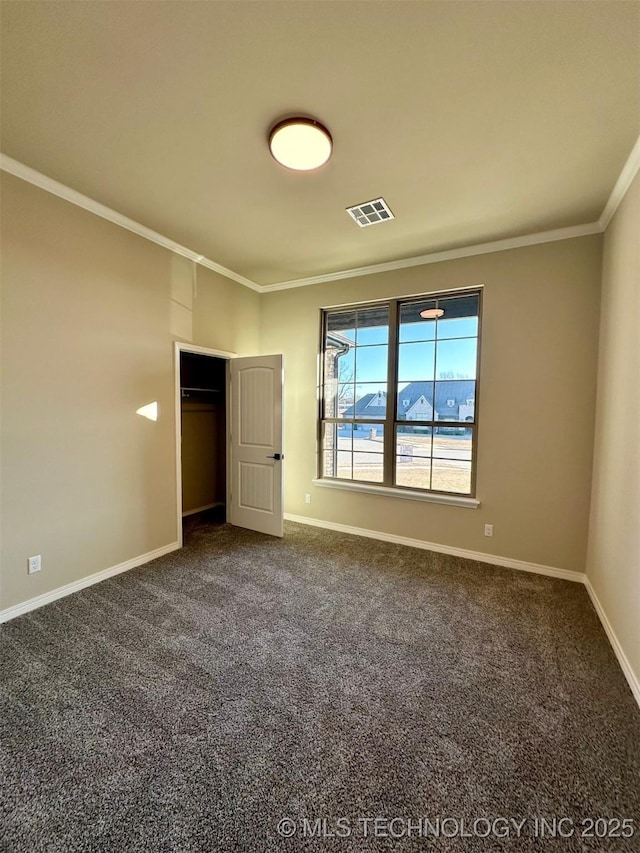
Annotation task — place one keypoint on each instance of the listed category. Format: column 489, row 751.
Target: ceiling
column 476, row 121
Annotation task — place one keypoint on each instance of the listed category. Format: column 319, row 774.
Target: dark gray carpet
column 191, row 704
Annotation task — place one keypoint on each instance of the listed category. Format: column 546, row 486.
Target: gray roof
column 458, row 390
column 362, row 408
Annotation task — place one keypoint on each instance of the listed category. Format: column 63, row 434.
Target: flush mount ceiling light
column 300, row 143
column 432, row 313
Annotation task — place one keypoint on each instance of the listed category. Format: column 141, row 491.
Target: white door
column 256, row 443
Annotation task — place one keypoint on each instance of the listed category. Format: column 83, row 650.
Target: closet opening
column 203, row 444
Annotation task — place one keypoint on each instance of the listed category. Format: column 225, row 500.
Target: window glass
column 341, row 326
column 414, row 327
column 416, row 362
column 371, row 400
column 456, row 359
column 433, row 350
column 372, row 363
column 459, row 318
column 372, row 326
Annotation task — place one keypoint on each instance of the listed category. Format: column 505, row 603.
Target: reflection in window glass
column 464, row 327
column 429, row 404
column 341, row 327
column 373, row 326
column 459, row 318
column 413, row 327
column 356, row 356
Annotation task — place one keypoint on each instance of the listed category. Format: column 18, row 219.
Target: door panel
column 256, row 398
column 256, row 486
column 256, row 439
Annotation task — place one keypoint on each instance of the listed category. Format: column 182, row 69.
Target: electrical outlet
column 488, row 530
column 307, row 499
column 34, row 564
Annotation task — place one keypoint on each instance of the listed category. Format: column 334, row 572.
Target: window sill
column 404, row 494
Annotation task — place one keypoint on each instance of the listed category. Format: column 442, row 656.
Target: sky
column 427, row 350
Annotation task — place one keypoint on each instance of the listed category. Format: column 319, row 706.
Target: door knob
column 276, row 456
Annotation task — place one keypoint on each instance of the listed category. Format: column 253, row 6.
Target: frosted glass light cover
column 300, row 144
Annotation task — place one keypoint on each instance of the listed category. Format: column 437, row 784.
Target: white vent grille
column 370, row 212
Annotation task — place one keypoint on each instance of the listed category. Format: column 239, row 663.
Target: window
column 390, row 378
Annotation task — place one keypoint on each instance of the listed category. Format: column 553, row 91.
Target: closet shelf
column 186, row 391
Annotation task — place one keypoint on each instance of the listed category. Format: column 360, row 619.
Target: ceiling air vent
column 370, row 212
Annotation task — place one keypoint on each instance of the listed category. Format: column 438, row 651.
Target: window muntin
column 398, row 396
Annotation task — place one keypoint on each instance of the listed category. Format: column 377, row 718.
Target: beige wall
column 536, row 412
column 613, row 564
column 226, row 314
column 204, row 454
column 89, row 313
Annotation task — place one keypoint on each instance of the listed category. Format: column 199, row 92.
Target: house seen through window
column 398, row 402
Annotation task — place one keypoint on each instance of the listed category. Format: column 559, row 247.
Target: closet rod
column 187, row 392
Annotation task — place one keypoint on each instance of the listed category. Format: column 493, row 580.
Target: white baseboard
column 521, row 565
column 625, row 666
column 506, row 562
column 62, row 591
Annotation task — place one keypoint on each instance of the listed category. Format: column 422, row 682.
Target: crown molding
column 227, row 273
column 628, row 173
column 448, row 255
column 26, row 173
